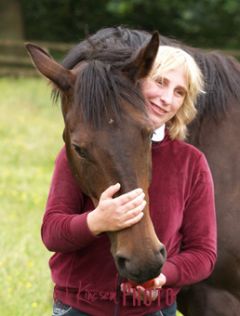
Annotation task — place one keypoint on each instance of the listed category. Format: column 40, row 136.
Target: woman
column 181, row 204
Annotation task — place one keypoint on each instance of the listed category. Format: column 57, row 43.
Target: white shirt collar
column 159, row 134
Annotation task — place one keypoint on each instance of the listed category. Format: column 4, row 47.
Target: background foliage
column 206, row 23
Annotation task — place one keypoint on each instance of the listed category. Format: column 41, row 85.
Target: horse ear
column 48, row 67
column 142, row 63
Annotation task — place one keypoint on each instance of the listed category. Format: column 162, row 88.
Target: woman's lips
column 156, row 109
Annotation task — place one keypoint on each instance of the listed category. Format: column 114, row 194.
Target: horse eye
column 82, row 152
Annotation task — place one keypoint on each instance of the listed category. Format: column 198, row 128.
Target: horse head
column 108, row 139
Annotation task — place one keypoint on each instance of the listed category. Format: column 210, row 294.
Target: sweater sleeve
column 64, row 226
column 197, row 255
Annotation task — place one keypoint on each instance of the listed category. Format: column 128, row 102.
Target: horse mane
column 117, row 38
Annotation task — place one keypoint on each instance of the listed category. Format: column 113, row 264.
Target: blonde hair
column 169, row 58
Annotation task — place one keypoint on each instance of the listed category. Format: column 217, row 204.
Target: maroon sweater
column 183, row 214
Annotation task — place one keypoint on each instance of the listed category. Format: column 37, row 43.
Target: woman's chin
column 156, row 121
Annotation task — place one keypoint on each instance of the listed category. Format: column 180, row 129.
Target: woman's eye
column 82, row 152
column 159, row 82
column 181, row 93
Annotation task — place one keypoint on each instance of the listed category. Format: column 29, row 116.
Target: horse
column 215, row 132
column 107, row 135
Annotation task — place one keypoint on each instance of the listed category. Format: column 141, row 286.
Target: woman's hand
column 149, row 293
column 113, row 214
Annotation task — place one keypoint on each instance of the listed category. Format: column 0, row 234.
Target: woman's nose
column 167, row 96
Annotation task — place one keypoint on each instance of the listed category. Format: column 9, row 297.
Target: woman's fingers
column 135, row 211
column 134, row 203
column 129, row 222
column 129, row 196
column 122, row 199
column 110, row 191
column 151, row 294
column 140, row 292
column 120, row 212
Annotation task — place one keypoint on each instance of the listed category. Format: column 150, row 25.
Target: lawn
column 30, row 138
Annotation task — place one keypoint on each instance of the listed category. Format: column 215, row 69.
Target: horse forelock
column 100, row 93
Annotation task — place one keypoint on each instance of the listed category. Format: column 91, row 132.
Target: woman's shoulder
column 187, row 148
column 190, row 152
column 61, row 162
column 193, row 156
column 61, row 156
column 179, row 147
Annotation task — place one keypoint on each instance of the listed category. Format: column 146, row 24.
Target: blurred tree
column 64, row 20
column 202, row 23
column 11, row 23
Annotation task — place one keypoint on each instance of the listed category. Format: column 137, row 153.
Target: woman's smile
column 156, row 109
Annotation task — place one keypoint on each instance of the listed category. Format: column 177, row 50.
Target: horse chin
column 132, row 271
column 135, row 266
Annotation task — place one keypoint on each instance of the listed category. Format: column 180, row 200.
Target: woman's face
column 165, row 96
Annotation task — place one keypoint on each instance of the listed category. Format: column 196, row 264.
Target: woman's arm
column 197, row 257
column 64, row 226
column 71, row 221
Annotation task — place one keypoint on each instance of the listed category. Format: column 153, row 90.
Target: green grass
column 30, row 138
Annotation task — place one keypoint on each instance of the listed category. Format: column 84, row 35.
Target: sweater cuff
column 80, row 230
column 171, row 272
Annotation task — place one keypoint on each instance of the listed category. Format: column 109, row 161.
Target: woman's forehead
column 178, row 75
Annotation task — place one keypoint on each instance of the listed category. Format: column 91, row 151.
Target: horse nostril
column 121, row 262
column 163, row 252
